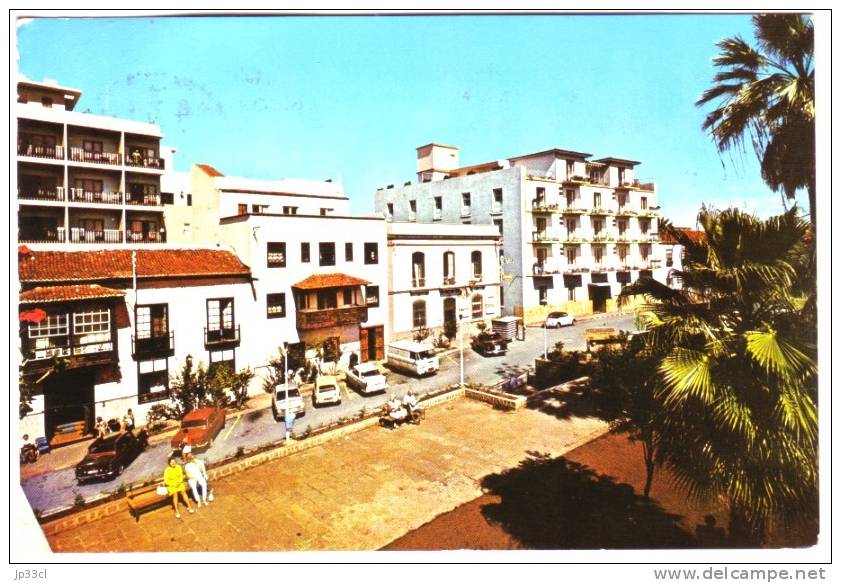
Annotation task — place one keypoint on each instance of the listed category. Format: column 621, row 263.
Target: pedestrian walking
column 175, row 486
column 197, row 478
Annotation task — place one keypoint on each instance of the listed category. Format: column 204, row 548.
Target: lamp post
column 286, row 390
column 545, row 340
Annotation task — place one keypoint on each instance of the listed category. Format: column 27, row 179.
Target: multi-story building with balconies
column 83, row 178
column 574, row 230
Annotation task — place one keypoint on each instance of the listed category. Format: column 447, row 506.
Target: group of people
column 102, row 427
column 177, row 478
column 398, row 411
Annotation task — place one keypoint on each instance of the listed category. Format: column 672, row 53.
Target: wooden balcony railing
column 153, row 346
column 331, row 318
column 222, row 337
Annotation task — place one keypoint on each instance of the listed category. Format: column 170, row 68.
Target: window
column 326, row 254
column 220, row 314
column 598, row 225
column 449, row 268
column 570, row 197
column 439, row 203
column 571, row 294
column 571, row 254
column 389, row 213
column 326, row 299
column 643, row 202
column 92, row 322
column 88, row 185
column 598, row 254
column 570, row 168
column 498, row 223
column 645, row 225
column 347, row 297
column 622, row 198
column 419, row 313
column 597, row 200
column 305, row 252
column 325, row 211
column 498, row 197
column 56, row 325
column 476, row 306
column 151, row 321
column 541, row 194
column 645, row 251
column 348, row 251
column 92, row 146
column 622, row 226
column 46, row 101
column 152, row 380
column 570, row 226
column 465, row 204
column 276, row 254
column 418, row 270
column 372, row 296
column 276, row 305
column 290, row 210
column 259, row 209
column 669, row 258
column 413, row 210
column 622, row 251
column 220, row 358
column 476, row 262
column 372, row 254
column 242, row 209
column 543, row 295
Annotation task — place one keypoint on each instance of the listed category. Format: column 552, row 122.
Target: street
column 58, row 489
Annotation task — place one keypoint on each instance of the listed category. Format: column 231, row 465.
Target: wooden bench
column 142, row 498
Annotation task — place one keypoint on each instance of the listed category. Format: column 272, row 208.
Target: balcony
column 160, row 346
column 79, row 351
column 85, row 196
column 143, row 199
column 40, row 151
column 648, row 213
column 604, row 237
column 221, row 337
column 80, row 235
column 109, row 158
column 545, row 236
column 57, row 235
column 331, row 317
column 137, row 161
column 55, row 193
column 539, row 205
column 601, row 211
column 572, row 210
column 625, row 212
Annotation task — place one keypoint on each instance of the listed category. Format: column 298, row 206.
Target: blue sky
column 351, row 98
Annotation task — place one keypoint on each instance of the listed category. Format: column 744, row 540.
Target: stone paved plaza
column 356, row 493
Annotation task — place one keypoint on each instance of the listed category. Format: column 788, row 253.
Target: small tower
column 435, row 161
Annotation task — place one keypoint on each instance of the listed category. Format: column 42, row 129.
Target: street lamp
column 286, row 390
column 545, row 340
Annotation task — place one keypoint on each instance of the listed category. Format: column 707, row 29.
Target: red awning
column 328, row 280
column 34, row 316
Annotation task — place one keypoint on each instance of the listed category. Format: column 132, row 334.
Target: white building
column 125, row 321
column 574, row 231
column 83, row 178
column 437, row 271
column 320, row 275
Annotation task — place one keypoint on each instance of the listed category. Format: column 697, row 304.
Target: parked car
column 280, row 400
column 326, row 391
column 413, row 357
column 367, row 378
column 199, row 427
column 558, row 319
column 108, row 456
column 490, row 344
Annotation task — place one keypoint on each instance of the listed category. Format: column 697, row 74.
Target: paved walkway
column 358, row 493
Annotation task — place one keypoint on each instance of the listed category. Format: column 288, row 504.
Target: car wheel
column 119, row 469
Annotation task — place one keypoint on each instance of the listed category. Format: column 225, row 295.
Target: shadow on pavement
column 559, row 504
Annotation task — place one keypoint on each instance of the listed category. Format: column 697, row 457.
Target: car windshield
column 326, row 388
column 194, row 423
column 426, row 354
column 369, row 373
column 103, row 445
column 557, row 314
column 281, row 394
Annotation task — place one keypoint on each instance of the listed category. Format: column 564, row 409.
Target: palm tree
column 767, row 95
column 739, row 374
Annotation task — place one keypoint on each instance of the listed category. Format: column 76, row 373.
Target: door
column 68, row 398
column 450, row 324
column 372, row 343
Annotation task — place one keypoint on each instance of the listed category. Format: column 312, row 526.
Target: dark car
column 108, row 456
column 490, row 344
column 199, row 428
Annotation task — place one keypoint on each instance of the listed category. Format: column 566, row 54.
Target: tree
column 624, row 383
column 198, row 387
column 739, row 373
column 767, row 95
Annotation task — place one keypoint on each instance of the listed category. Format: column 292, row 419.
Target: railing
column 56, row 236
column 449, row 280
column 418, row 282
column 496, row 208
column 161, row 345
column 412, row 216
column 547, row 236
column 221, row 336
column 143, row 199
column 573, row 210
column 148, row 237
column 81, row 195
column 56, row 193
column 80, row 155
column 81, row 235
column 145, row 162
column 436, row 215
column 465, row 211
column 624, row 211
column 541, row 206
column 65, row 347
column 604, row 237
column 331, row 318
column 601, row 211
column 40, row 151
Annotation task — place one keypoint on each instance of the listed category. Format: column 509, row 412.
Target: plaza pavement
column 356, row 493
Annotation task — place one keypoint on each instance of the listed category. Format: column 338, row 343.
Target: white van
column 413, row 357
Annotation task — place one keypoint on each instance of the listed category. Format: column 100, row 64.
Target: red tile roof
column 60, row 266
column 326, row 280
column 67, row 293
column 209, row 170
column 694, row 236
